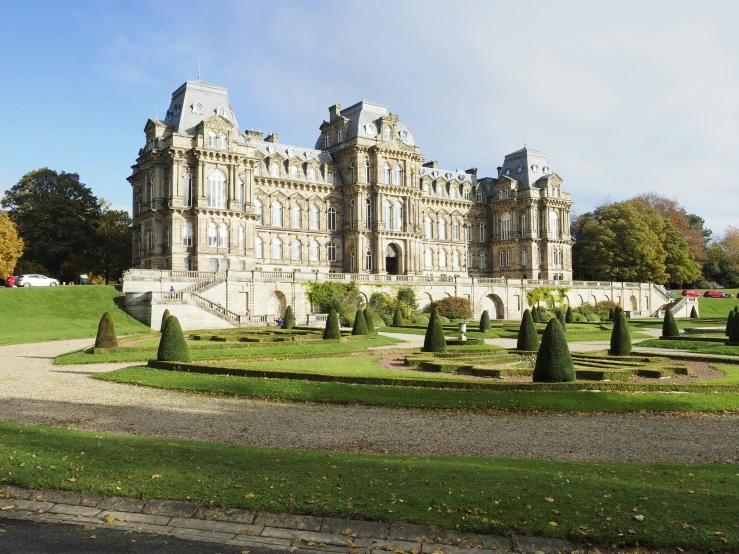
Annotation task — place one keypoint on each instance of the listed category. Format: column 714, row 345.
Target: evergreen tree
column 360, row 324
column 289, row 321
column 569, row 317
column 734, row 332
column 528, row 338
column 485, row 321
column 535, row 314
column 554, row 362
column 106, row 337
column 729, row 322
column 561, row 318
column 165, row 317
column 611, row 314
column 669, row 327
column 332, row 330
column 369, row 321
column 398, row 317
column 620, row 338
column 693, row 313
column 434, row 340
column 172, row 345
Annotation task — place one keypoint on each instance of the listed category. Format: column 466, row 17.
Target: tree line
column 55, row 225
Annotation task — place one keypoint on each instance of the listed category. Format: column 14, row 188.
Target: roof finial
column 524, row 137
column 198, row 65
column 456, row 163
column 157, row 109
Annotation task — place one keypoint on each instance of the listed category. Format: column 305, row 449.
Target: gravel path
column 33, row 390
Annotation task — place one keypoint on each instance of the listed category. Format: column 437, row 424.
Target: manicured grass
column 731, row 374
column 700, row 347
column 307, row 350
column 293, row 390
column 683, row 505
column 718, row 307
column 56, row 313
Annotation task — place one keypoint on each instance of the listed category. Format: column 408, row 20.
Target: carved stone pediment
column 218, row 122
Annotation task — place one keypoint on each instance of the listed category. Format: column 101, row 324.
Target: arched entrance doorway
column 392, row 259
column 494, row 305
column 276, row 304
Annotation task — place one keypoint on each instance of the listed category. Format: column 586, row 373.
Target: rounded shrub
column 569, row 316
column 332, row 330
column 172, row 345
column 669, row 327
column 165, row 317
column 554, row 361
column 562, row 320
column 620, row 338
column 434, row 340
column 693, row 313
column 485, row 321
column 360, row 324
column 368, row 319
column 106, row 337
column 398, row 317
column 288, row 322
column 421, row 319
column 528, row 338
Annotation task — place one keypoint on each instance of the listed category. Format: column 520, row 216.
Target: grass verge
column 700, row 347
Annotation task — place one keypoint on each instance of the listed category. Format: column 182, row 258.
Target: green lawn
column 718, row 307
column 56, row 313
column 687, row 506
column 699, row 347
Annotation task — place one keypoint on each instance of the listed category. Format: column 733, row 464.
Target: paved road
column 33, row 390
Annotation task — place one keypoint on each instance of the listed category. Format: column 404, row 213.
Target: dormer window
column 177, row 110
column 326, row 141
column 220, row 110
column 311, row 174
column 168, row 117
column 388, row 133
column 212, row 139
column 340, row 135
column 223, row 139
column 293, row 172
column 197, row 108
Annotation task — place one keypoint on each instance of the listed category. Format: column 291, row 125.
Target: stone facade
column 208, row 197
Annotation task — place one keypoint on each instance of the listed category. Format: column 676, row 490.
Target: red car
column 713, row 294
column 691, row 293
column 10, row 281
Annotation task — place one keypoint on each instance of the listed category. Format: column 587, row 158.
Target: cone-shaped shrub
column 734, row 331
column 535, row 314
column 669, row 327
column 569, row 317
column 729, row 322
column 360, row 324
column 620, row 338
column 165, row 317
column 332, row 331
column 693, row 313
column 434, row 340
column 289, row 320
column 561, row 318
column 611, row 314
column 484, row 321
column 106, row 337
column 172, row 345
column 369, row 321
column 398, row 317
column 554, row 362
column 528, row 338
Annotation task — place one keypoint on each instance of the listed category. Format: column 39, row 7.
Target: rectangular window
column 469, row 233
column 224, row 265
column 242, row 265
column 213, row 264
column 188, row 264
column 330, row 178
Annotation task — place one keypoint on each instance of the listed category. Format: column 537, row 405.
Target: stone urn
column 462, row 331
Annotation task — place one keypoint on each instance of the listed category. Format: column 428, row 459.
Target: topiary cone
column 332, row 330
column 288, row 321
column 620, row 338
column 369, row 321
column 734, row 331
column 554, row 362
column 165, row 317
column 611, row 314
column 106, row 337
column 569, row 317
column 535, row 314
column 172, row 345
column 398, row 317
column 360, row 324
column 434, row 340
column 528, row 338
column 669, row 327
column 485, row 321
column 729, row 322
column 693, row 313
column 561, row 319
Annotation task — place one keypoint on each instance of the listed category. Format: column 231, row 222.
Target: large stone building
column 208, row 196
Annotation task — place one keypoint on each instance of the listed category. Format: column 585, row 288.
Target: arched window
column 187, row 233
column 276, row 249
column 398, row 223
column 442, row 258
column 352, row 262
column 275, row 169
column 352, row 173
column 187, row 190
column 212, row 139
column 240, row 193
column 331, row 219
column 428, row 259
column 554, row 223
column 212, row 234
column 223, row 235
column 522, row 225
column 258, row 248
column 311, row 175
column 242, row 237
column 453, row 192
column 330, row 177
column 481, row 231
column 388, row 133
column 455, row 230
column 295, row 216
column 427, row 228
column 505, row 226
column 425, row 189
column 216, row 189
column 326, row 141
column 296, row 250
column 366, row 171
column 524, row 259
column 455, row 258
column 469, row 259
column 340, row 135
column 368, row 213
column 293, row 172
column 313, row 251
column 482, row 260
column 442, row 229
column 313, row 217
column 331, row 252
column 439, row 190
column 276, row 214
column 368, row 260
column 386, row 173
column 478, row 194
column 351, row 214
column 397, row 175
column 223, row 140
column 387, row 214
column 258, row 211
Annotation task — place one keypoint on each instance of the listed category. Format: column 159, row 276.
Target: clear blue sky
column 624, row 97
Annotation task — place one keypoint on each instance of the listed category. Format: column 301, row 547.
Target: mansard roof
column 363, row 123
column 196, row 101
column 525, row 166
column 286, row 151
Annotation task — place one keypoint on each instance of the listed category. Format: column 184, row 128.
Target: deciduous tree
column 11, row 246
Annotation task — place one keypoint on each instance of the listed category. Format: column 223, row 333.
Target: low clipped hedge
column 696, row 339
column 468, row 342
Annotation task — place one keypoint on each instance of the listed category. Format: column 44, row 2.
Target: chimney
column 473, row 171
column 500, row 169
column 272, row 137
column 334, row 112
column 254, row 135
column 432, row 164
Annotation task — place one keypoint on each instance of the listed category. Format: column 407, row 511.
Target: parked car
column 10, row 281
column 713, row 294
column 670, row 292
column 35, row 280
column 726, row 295
column 691, row 293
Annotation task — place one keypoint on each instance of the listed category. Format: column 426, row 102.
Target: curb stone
column 309, row 534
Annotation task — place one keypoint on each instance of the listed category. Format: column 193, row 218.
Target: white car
column 35, row 280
